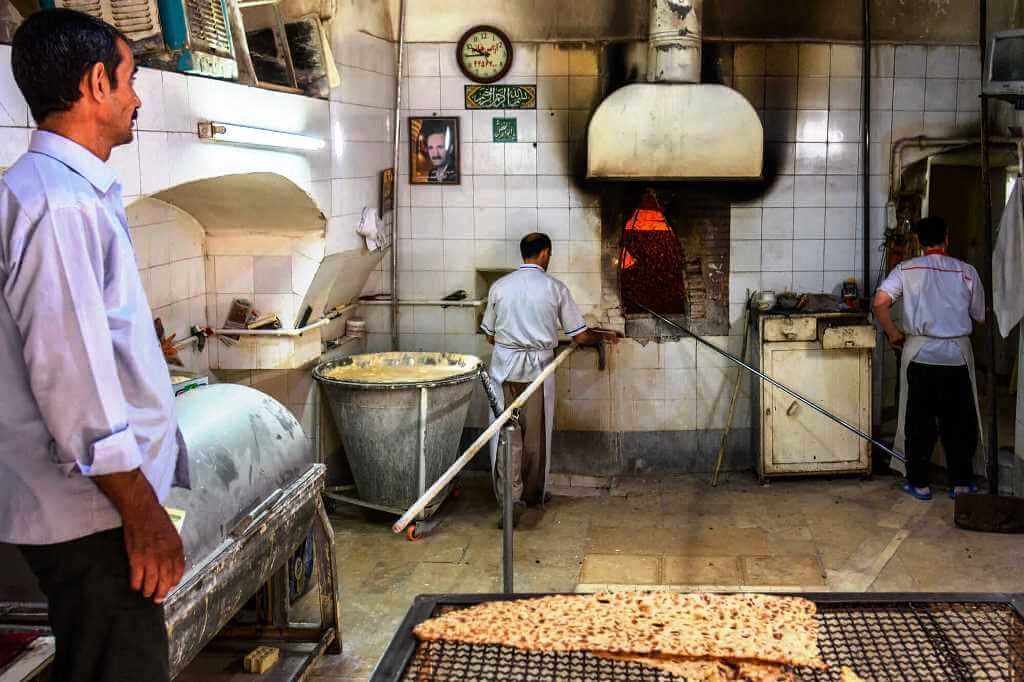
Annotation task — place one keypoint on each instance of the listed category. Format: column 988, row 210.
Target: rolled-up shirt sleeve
column 487, row 325
column 54, row 291
column 569, row 315
column 893, row 284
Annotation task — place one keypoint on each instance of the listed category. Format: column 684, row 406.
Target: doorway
column 955, row 195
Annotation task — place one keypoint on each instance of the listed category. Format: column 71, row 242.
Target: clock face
column 485, row 54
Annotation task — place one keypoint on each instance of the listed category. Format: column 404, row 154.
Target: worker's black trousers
column 940, row 404
column 105, row 631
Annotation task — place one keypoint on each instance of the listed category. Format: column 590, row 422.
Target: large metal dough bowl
column 380, row 423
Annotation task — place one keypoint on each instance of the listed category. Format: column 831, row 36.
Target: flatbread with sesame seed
column 741, row 627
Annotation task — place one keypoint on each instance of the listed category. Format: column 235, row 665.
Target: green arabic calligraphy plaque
column 505, row 130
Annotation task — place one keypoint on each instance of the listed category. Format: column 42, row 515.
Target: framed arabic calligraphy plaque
column 501, row 96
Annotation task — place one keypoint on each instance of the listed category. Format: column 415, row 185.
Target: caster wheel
column 412, row 533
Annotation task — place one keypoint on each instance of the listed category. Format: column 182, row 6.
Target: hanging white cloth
column 369, row 229
column 1008, row 264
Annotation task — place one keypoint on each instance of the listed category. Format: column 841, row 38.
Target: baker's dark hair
column 52, row 51
column 533, row 243
column 931, row 231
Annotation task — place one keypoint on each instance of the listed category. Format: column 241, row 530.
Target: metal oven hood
column 672, row 127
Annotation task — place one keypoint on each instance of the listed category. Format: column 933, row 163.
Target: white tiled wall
column 507, row 191
column 272, row 272
column 169, row 249
column 804, row 233
column 657, row 387
column 811, row 218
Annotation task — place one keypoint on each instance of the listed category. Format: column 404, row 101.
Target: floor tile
column 782, row 570
column 628, row 569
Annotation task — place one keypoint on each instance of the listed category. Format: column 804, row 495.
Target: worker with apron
column 525, row 310
column 938, row 389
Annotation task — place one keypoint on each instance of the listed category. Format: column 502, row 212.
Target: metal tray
column 881, row 636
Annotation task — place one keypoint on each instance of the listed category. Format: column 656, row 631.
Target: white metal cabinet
column 796, row 440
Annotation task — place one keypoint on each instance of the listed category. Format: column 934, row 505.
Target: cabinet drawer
column 851, row 337
column 791, row 329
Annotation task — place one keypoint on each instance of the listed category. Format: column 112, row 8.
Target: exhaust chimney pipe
column 674, row 40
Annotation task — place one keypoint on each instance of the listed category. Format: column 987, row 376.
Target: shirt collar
column 530, row 266
column 74, row 156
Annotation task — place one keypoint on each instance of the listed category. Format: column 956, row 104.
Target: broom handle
column 735, row 395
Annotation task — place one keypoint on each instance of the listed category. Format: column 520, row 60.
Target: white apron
column 911, row 347
column 523, row 365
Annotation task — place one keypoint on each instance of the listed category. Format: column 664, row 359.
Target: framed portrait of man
column 434, row 151
column 387, row 190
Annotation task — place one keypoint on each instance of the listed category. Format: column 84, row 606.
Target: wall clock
column 484, row 54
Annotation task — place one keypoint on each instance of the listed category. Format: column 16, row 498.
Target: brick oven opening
column 671, row 254
column 651, row 262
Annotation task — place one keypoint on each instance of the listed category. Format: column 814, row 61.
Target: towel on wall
column 1008, row 264
column 369, row 229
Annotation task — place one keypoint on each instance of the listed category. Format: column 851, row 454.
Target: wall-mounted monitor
column 1004, row 66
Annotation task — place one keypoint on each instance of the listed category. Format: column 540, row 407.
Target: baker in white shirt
column 942, row 298
column 525, row 311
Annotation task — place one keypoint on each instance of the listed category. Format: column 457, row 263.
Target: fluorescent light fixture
column 233, row 133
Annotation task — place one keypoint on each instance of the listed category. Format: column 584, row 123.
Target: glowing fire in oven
column 651, row 269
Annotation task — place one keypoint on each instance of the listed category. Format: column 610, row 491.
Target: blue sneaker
column 955, row 491
column 923, row 494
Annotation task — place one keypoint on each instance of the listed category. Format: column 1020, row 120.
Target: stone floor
column 810, row 534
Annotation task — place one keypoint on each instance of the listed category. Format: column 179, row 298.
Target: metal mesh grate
column 932, row 641
column 922, row 641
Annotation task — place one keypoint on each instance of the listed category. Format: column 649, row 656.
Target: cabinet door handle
column 792, row 409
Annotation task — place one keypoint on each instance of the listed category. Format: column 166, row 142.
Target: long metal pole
column 480, row 442
column 396, row 162
column 866, row 148
column 986, row 188
column 782, row 387
column 507, row 527
column 423, row 442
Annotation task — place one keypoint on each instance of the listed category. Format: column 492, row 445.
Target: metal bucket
column 399, row 436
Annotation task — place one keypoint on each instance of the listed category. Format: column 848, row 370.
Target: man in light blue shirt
column 89, row 443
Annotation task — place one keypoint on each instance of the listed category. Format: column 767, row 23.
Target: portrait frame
column 424, row 170
column 387, row 191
